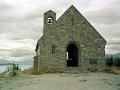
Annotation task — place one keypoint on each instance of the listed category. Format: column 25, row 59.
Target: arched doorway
column 72, row 55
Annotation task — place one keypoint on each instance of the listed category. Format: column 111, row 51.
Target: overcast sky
column 21, row 23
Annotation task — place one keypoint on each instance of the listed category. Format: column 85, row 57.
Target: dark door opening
column 72, row 55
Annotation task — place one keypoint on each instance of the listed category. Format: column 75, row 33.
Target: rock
column 10, row 74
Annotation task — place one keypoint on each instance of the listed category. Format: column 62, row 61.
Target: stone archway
column 72, row 55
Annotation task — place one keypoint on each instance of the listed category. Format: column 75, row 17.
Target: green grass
column 28, row 71
column 1, row 75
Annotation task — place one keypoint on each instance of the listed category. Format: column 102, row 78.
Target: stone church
column 69, row 44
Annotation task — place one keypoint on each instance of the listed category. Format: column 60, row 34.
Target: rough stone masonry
column 70, row 44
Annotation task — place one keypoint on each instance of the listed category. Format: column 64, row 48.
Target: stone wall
column 35, row 63
column 71, row 27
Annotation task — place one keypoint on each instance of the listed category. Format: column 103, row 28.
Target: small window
column 93, row 61
column 72, row 21
column 67, row 55
column 49, row 20
column 53, row 49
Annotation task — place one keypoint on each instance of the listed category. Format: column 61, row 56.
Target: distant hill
column 114, row 55
column 26, row 62
column 117, row 55
column 108, row 55
column 4, row 61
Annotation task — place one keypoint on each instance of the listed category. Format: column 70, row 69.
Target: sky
column 21, row 23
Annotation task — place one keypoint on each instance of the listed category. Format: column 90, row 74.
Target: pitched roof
column 50, row 11
column 71, row 7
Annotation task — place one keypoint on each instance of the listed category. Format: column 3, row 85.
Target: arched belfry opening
column 49, row 20
column 72, row 55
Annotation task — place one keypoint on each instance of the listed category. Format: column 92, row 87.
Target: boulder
column 10, row 73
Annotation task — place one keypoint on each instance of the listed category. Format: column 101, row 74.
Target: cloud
column 116, row 35
column 4, row 6
column 21, row 23
column 112, row 49
column 21, row 53
column 114, row 41
column 22, row 30
column 113, row 45
column 106, row 15
column 106, row 19
column 18, row 49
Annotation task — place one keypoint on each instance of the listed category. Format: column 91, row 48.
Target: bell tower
column 49, row 19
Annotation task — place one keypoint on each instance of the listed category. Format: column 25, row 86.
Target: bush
column 113, row 61
column 1, row 75
column 28, row 71
column 109, row 61
column 31, row 71
column 15, row 66
column 48, row 70
column 117, row 62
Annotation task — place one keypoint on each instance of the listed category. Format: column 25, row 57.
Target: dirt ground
column 62, row 81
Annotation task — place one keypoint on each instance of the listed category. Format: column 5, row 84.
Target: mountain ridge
column 26, row 62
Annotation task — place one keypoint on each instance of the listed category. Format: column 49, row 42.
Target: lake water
column 22, row 67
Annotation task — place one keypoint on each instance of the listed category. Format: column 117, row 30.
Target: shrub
column 113, row 61
column 109, row 61
column 1, row 75
column 117, row 61
column 28, row 71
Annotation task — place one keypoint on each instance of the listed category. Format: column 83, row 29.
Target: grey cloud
column 117, row 35
column 20, row 24
column 22, row 30
column 4, row 6
column 113, row 47
column 2, row 50
column 113, row 43
column 6, row 13
column 13, row 14
column 106, row 15
column 10, row 14
column 21, row 53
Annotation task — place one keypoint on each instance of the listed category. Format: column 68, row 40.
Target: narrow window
column 53, row 49
column 72, row 21
column 66, row 55
column 49, row 20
